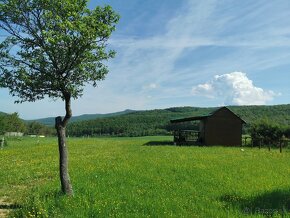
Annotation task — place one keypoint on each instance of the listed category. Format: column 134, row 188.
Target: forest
column 157, row 122
column 145, row 123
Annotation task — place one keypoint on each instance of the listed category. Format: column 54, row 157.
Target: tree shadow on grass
column 9, row 206
column 267, row 204
column 159, row 143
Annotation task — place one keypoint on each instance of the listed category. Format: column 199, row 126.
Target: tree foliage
column 11, row 123
column 265, row 132
column 54, row 47
column 36, row 128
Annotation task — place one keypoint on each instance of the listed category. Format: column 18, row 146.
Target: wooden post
column 280, row 146
column 2, row 143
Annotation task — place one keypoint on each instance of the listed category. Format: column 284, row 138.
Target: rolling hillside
column 156, row 122
column 49, row 121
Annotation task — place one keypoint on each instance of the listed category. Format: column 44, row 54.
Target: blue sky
column 186, row 53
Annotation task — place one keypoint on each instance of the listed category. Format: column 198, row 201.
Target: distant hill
column 156, row 122
column 49, row 121
column 2, row 113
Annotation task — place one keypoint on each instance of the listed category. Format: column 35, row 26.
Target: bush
column 266, row 133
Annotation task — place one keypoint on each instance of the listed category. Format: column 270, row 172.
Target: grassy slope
column 123, row 177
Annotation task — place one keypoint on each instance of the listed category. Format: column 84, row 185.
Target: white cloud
column 234, row 89
column 150, row 86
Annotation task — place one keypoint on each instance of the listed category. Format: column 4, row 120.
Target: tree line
column 264, row 132
column 154, row 122
column 157, row 122
column 12, row 123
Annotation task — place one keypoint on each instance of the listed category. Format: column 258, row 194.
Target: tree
column 54, row 48
column 264, row 131
column 14, row 123
column 36, row 128
column 11, row 123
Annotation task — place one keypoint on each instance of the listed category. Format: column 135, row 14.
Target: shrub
column 266, row 133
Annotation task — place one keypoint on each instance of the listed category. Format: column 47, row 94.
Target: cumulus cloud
column 234, row 89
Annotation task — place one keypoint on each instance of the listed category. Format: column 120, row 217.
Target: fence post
column 2, row 143
column 280, row 146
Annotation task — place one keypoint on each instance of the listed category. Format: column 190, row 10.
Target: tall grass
column 144, row 177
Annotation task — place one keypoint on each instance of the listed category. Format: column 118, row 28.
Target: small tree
column 11, row 123
column 14, row 123
column 266, row 132
column 54, row 48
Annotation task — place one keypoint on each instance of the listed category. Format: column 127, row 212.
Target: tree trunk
column 60, row 125
column 66, row 186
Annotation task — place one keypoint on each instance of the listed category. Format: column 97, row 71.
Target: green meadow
column 144, row 177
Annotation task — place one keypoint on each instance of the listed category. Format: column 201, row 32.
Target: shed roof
column 186, row 119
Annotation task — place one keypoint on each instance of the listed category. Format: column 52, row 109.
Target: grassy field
column 144, row 177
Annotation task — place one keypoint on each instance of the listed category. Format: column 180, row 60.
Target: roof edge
column 186, row 119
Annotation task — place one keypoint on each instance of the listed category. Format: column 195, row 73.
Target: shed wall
column 223, row 128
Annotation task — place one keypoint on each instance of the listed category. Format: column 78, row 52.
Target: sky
column 186, row 53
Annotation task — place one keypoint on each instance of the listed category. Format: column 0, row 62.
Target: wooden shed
column 221, row 127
